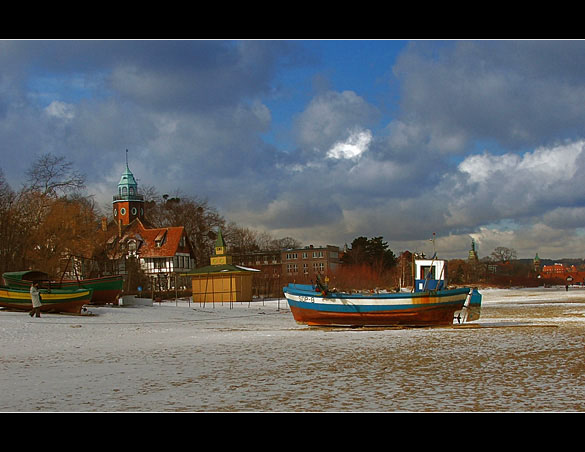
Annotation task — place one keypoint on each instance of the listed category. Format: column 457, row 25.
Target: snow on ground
column 184, row 356
column 553, row 294
column 181, row 320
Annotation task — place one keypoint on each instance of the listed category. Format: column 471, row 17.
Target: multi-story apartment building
column 303, row 264
column 268, row 261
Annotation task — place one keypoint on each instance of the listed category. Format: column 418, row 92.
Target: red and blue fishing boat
column 429, row 304
column 106, row 289
column 53, row 300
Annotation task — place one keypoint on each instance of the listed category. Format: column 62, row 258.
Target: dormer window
column 160, row 239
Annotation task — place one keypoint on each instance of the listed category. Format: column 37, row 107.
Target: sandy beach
column 526, row 353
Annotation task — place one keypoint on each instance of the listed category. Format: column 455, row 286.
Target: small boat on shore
column 106, row 289
column 53, row 300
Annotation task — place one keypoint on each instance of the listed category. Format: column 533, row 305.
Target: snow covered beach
column 526, row 353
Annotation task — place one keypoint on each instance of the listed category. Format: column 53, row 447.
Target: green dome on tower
column 127, row 187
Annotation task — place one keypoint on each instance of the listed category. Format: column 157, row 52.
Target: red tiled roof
column 169, row 239
column 560, row 271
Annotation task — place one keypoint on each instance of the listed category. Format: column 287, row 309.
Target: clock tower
column 128, row 204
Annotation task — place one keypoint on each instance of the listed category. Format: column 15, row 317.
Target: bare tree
column 53, row 176
column 284, row 243
column 503, row 254
column 9, row 244
column 201, row 221
column 68, row 229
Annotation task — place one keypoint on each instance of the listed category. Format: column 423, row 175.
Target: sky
column 320, row 140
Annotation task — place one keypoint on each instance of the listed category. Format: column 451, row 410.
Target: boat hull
column 66, row 301
column 434, row 308
column 106, row 289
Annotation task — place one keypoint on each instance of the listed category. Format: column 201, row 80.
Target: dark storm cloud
column 195, row 101
column 517, row 94
column 198, row 75
column 488, row 139
column 172, row 75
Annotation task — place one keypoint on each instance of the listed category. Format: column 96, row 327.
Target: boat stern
column 471, row 310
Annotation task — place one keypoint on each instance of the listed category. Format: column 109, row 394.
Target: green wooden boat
column 53, row 300
column 105, row 289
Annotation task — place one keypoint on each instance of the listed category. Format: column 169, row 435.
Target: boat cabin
column 430, row 274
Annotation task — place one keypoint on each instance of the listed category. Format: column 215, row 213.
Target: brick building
column 569, row 274
column 303, row 264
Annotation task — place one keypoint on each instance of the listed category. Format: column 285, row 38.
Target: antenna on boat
column 428, row 275
column 432, row 240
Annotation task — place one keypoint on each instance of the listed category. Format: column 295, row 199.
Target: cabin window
column 427, row 271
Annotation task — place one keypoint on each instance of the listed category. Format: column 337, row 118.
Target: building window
column 318, row 266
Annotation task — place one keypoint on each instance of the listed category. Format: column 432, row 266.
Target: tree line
column 49, row 219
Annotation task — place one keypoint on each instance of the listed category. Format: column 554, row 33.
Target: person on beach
column 35, row 296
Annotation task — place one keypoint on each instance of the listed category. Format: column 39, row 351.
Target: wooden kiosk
column 221, row 281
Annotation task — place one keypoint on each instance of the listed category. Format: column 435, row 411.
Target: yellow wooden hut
column 221, row 281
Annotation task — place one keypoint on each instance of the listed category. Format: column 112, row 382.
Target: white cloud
column 329, row 116
column 60, row 110
column 543, row 165
column 356, row 144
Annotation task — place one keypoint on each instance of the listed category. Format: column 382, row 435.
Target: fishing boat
column 429, row 304
column 105, row 289
column 312, row 306
column 53, row 300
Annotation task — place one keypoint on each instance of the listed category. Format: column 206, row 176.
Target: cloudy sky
column 323, row 141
